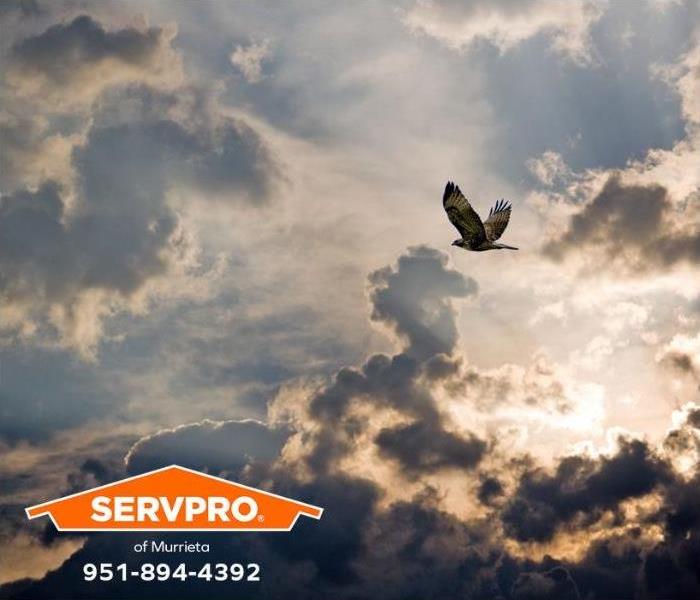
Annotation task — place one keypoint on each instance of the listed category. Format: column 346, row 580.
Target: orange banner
column 174, row 498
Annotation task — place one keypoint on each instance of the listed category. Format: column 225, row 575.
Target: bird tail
column 505, row 246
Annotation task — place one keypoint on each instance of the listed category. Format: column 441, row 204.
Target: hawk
column 476, row 236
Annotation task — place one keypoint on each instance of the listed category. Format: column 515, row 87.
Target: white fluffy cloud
column 507, row 23
column 249, row 59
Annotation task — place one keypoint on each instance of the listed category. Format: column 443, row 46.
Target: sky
column 222, row 244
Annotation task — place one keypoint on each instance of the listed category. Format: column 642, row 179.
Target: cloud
column 341, row 437
column 634, row 228
column 682, row 442
column 30, row 552
column 213, row 446
column 684, row 75
column 25, row 8
column 412, row 300
column 539, row 386
column 505, row 24
column 639, row 219
column 360, row 546
column 32, row 153
column 403, row 407
column 419, row 447
column 90, row 229
column 554, row 584
column 182, row 138
column 249, row 59
column 71, row 63
column 25, row 557
column 411, row 447
column 581, row 487
column 550, row 168
column 44, row 392
column 70, row 273
column 490, row 488
column 683, row 354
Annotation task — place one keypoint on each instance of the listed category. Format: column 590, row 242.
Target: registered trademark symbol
column 261, row 518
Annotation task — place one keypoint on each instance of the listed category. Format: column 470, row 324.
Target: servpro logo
column 174, row 498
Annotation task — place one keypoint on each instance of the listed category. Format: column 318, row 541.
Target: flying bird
column 476, row 236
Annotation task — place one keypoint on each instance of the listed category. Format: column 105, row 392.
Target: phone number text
column 164, row 572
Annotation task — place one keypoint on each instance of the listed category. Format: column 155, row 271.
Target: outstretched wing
column 462, row 215
column 498, row 219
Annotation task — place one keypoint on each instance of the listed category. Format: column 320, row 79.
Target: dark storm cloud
column 581, row 487
column 332, row 544
column 412, row 299
column 389, row 381
column 361, row 548
column 490, row 489
column 634, row 226
column 64, row 50
column 555, row 584
column 421, row 447
column 441, row 367
column 223, row 446
column 383, row 382
column 625, row 565
column 52, row 79
column 448, row 557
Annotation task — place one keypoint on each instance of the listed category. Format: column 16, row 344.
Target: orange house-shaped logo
column 174, row 498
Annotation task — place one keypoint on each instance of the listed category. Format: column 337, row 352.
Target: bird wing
column 461, row 214
column 498, row 219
